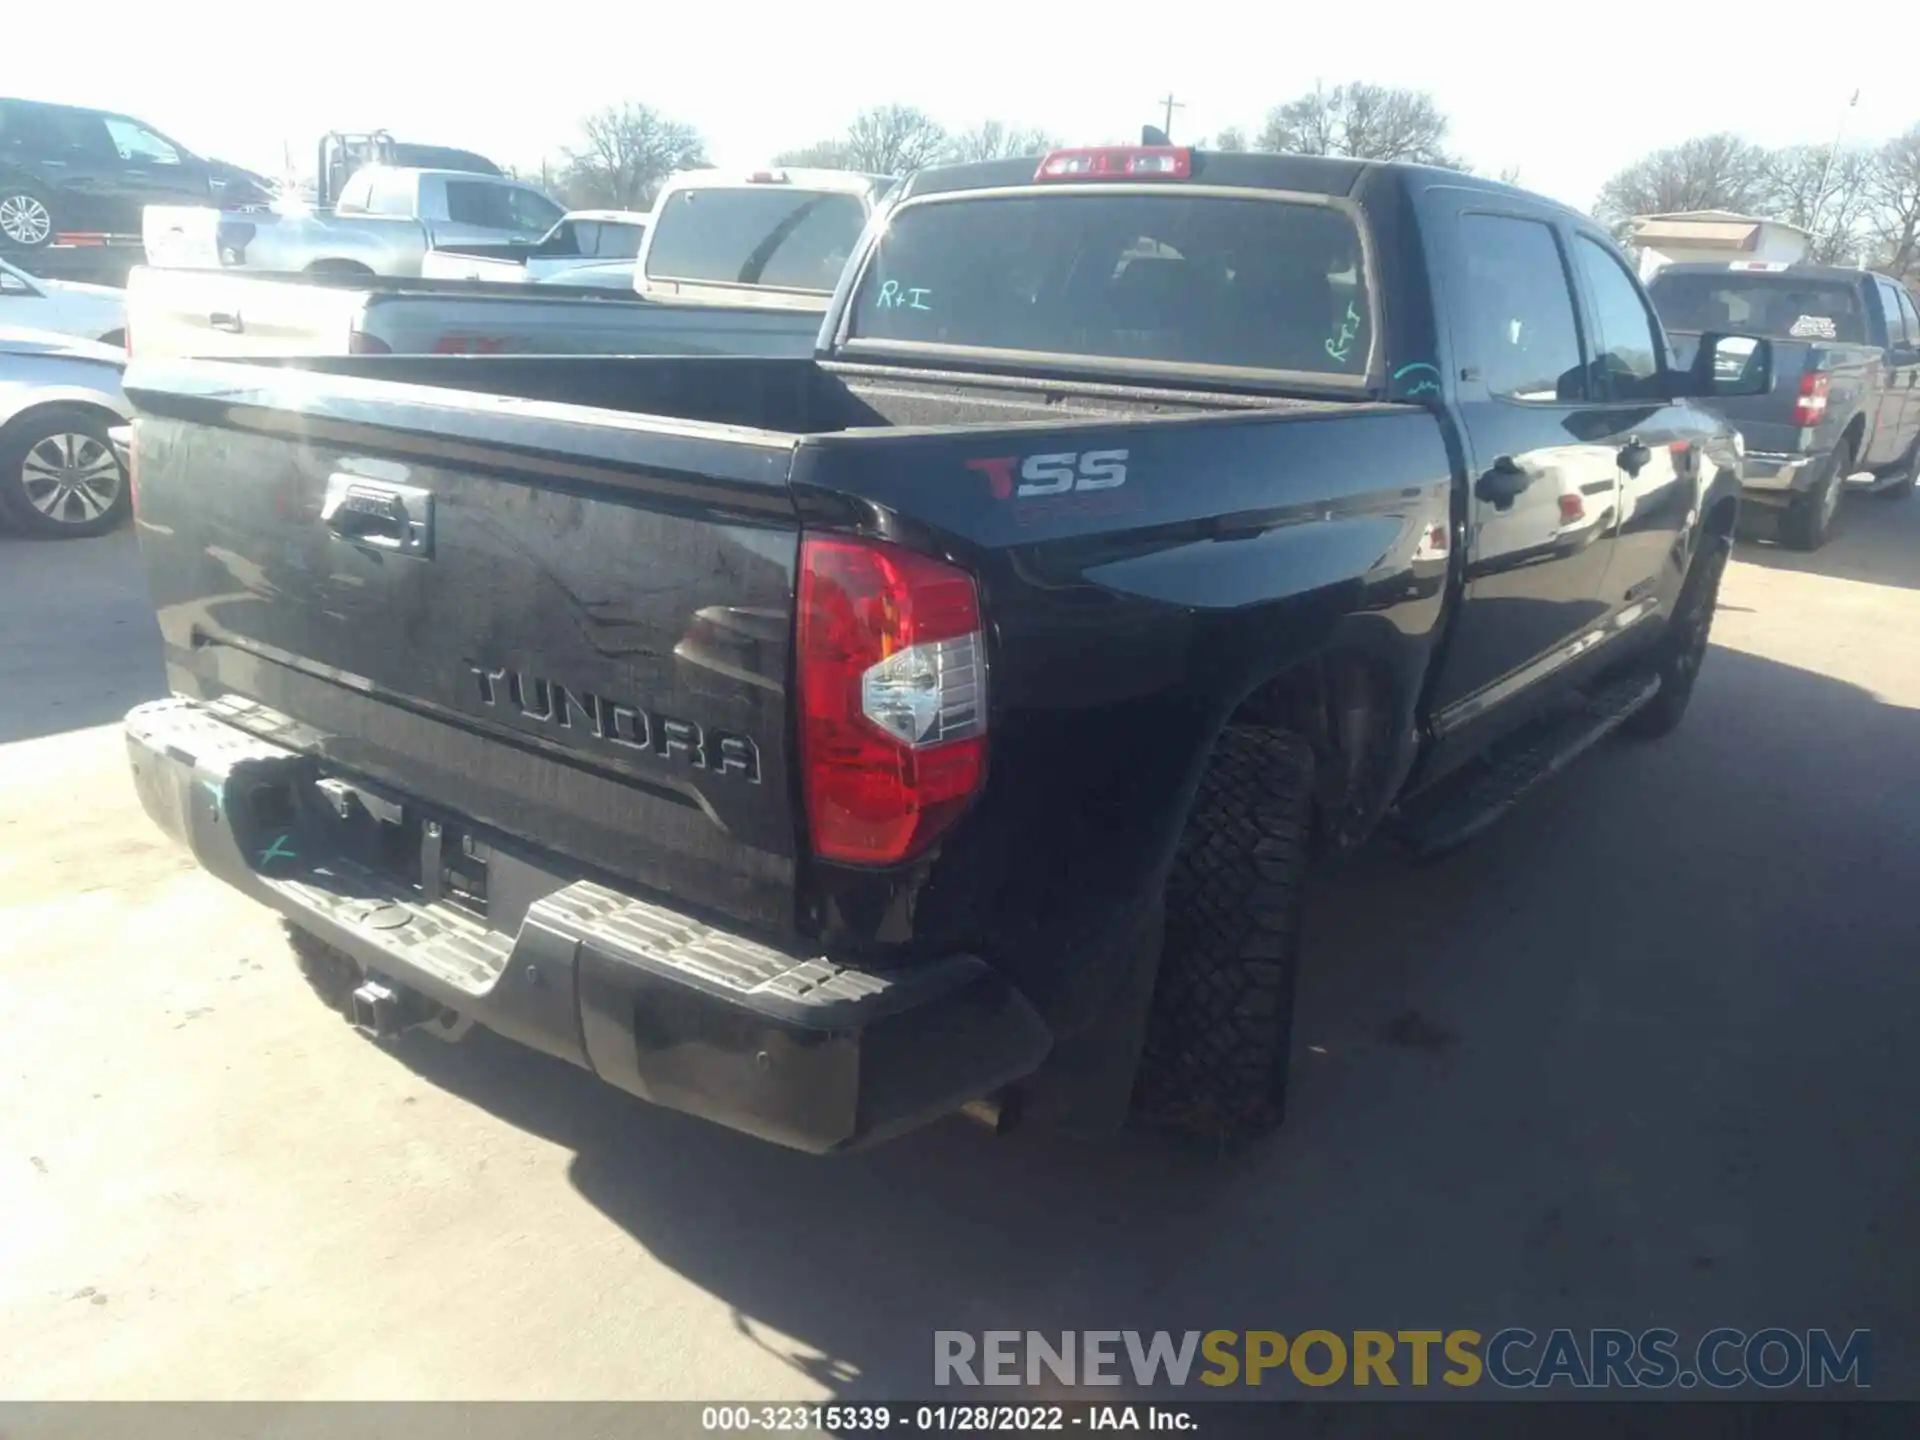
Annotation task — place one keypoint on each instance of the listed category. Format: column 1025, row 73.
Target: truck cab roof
column 851, row 182
column 1299, row 174
column 1793, row 270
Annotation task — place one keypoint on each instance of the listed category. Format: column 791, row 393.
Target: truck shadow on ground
column 81, row 644
column 1600, row 1068
column 1878, row 542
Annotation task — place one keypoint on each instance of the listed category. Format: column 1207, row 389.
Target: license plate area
column 437, row 856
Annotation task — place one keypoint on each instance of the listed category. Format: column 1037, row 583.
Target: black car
column 63, row 168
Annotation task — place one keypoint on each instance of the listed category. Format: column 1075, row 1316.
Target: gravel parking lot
column 1642, row 1056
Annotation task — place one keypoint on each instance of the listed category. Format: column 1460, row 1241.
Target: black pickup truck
column 1844, row 410
column 950, row 721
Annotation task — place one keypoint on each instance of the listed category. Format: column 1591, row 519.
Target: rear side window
column 615, row 241
column 135, row 142
column 1889, row 295
column 1515, row 319
column 1260, row 284
column 1912, row 318
column 760, row 235
column 1626, row 347
column 531, row 212
column 52, row 131
column 1779, row 306
column 355, row 194
column 470, row 202
column 392, row 194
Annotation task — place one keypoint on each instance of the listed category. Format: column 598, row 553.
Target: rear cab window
column 1778, row 306
column 778, row 236
column 1266, row 283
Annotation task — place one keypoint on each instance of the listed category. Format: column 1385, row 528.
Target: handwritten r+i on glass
column 894, row 296
column 1349, row 328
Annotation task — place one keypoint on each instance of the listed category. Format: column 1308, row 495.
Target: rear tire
column 1809, row 520
column 1214, row 1063
column 59, row 476
column 26, row 218
column 1684, row 647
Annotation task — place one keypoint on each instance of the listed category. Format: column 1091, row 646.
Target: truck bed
column 216, row 314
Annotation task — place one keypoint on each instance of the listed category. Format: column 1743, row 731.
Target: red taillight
column 1812, row 403
column 1118, row 162
column 892, row 674
column 359, row 342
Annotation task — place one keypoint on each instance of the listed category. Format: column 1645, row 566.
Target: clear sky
column 1566, row 100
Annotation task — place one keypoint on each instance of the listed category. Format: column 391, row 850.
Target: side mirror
column 1726, row 366
column 13, row 285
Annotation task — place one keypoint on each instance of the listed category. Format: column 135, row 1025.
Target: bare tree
column 1824, row 192
column 1893, row 205
column 823, row 155
column 885, row 140
column 1231, row 138
column 893, row 139
column 1369, row 122
column 626, row 151
column 1710, row 172
column 991, row 140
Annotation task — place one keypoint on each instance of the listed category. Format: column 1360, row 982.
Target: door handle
column 1633, row 457
column 380, row 516
column 227, row 321
column 1503, row 482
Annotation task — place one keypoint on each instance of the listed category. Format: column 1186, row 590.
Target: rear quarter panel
column 1125, row 624
column 29, row 382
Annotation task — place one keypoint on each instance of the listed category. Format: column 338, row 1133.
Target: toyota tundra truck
column 952, row 720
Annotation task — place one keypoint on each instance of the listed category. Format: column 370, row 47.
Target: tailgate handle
column 379, row 515
column 228, row 321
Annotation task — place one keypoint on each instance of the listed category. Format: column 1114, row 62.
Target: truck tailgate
column 547, row 622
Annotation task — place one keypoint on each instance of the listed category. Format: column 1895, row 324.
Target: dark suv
column 63, row 168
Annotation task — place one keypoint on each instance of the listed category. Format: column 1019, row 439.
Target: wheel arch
column 1353, row 704
column 1853, row 433
column 40, row 400
column 338, row 265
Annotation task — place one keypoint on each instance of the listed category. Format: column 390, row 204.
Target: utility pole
column 1172, row 105
column 1820, row 196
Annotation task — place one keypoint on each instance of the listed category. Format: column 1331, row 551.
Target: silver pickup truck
column 731, row 265
column 214, row 314
column 595, row 238
column 385, row 222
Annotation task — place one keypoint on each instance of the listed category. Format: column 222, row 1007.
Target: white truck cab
column 771, row 237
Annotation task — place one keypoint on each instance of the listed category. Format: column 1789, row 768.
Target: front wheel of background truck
column 1215, row 1059
column 1809, row 519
